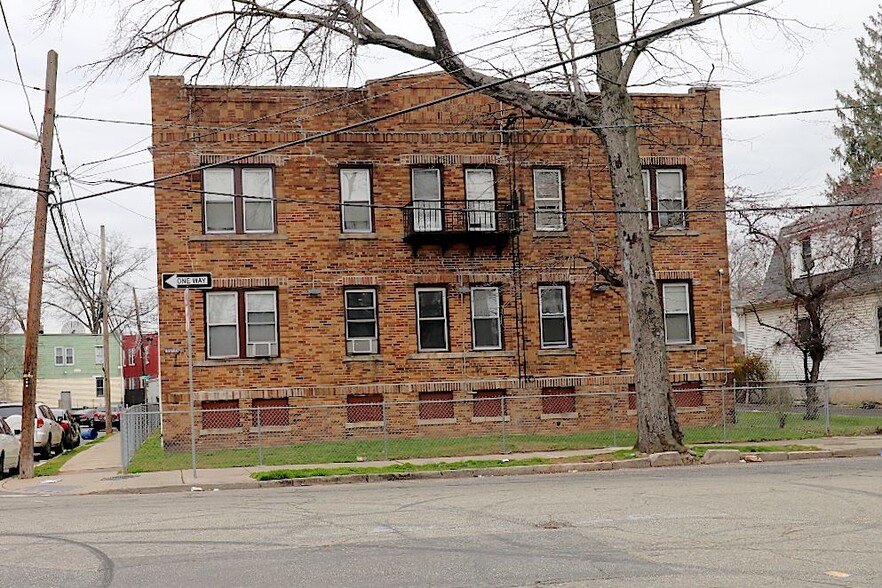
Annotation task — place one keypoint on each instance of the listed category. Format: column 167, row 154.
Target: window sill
column 362, row 358
column 357, row 236
column 460, row 355
column 239, row 237
column 494, row 419
column 675, row 347
column 365, row 425
column 559, row 416
column 238, row 361
column 674, row 232
column 553, row 352
column 436, row 421
column 539, row 234
column 681, row 410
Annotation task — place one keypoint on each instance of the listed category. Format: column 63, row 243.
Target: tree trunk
column 812, row 396
column 657, row 427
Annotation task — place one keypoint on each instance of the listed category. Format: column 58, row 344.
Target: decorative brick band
column 357, row 281
column 663, row 160
column 279, row 282
column 674, row 275
column 485, row 278
column 451, row 159
column 210, row 158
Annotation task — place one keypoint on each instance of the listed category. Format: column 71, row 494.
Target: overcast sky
column 783, row 154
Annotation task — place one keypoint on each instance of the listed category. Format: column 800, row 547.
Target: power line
column 14, row 83
column 28, row 188
column 18, row 69
column 636, row 39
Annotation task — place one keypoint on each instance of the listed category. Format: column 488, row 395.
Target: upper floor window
column 548, row 199
column 553, row 317
column 99, row 355
column 677, row 312
column 361, row 321
column 665, row 196
column 64, row 356
column 425, row 194
column 432, row 319
column 131, row 355
column 242, row 324
column 480, row 193
column 99, row 386
column 355, row 200
column 238, row 200
column 486, row 318
column 879, row 328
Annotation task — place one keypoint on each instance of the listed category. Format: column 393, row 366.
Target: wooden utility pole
column 38, row 260
column 105, row 331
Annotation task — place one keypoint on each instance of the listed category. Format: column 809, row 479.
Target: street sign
column 191, row 281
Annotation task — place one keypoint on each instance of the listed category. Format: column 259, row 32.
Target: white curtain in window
column 257, row 201
column 355, row 195
column 223, row 331
column 220, row 208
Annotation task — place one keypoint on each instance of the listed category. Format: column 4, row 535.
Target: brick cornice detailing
column 357, row 281
column 211, row 158
column 452, row 159
column 674, row 275
column 661, row 160
column 440, row 278
column 485, row 278
column 278, row 282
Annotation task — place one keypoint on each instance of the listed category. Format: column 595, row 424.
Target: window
column 879, row 327
column 803, row 330
column 486, row 319
column 553, row 317
column 365, row 408
column 480, row 193
column 99, row 386
column 425, row 188
column 355, row 199
column 273, row 412
column 677, row 316
column 431, row 319
column 436, row 405
column 665, row 197
column 99, row 355
column 558, row 400
column 220, row 414
column 805, row 255
column 64, row 356
column 238, row 200
column 489, row 404
column 361, row 321
column 548, row 198
column 241, row 324
column 131, row 355
column 686, row 395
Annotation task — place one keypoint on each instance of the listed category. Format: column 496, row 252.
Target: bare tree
column 74, row 282
column 818, row 262
column 14, row 223
column 283, row 38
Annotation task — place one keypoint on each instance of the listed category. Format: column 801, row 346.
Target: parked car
column 9, row 449
column 98, row 419
column 83, row 416
column 69, row 425
column 48, row 434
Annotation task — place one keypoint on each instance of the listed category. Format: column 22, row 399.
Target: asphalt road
column 772, row 524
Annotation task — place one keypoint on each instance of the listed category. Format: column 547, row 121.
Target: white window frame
column 209, row 325
column 69, row 354
column 131, row 355
column 99, row 355
column 497, row 319
column 102, row 388
column 654, row 211
column 208, row 197
column 421, row 216
column 245, row 200
column 565, row 314
column 59, row 353
column 347, row 308
column 477, row 204
column 421, row 319
column 688, row 313
column 878, row 329
column 365, row 200
column 543, row 204
column 274, row 343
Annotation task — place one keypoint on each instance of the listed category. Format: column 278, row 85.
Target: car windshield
column 8, row 411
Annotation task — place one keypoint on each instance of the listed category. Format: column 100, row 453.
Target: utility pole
column 38, row 261
column 142, row 380
column 105, row 331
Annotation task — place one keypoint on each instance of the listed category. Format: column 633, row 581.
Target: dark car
column 70, row 425
column 83, row 416
column 98, row 419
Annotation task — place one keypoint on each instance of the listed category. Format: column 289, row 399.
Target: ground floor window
column 364, row 408
column 273, row 412
column 558, row 400
column 220, row 414
column 436, row 405
column 489, row 403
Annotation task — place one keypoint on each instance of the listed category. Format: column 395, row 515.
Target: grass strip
column 53, row 466
column 700, row 450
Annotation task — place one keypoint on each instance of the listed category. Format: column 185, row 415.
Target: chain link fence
column 286, row 431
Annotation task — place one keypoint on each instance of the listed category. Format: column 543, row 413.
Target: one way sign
column 191, row 281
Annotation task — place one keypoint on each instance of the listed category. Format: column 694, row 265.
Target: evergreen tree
column 860, row 116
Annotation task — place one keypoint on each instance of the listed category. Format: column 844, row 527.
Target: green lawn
column 751, row 427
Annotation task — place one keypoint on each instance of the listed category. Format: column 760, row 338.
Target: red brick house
column 140, row 360
column 441, row 255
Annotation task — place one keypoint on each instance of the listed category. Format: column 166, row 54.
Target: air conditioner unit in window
column 260, row 349
column 361, row 346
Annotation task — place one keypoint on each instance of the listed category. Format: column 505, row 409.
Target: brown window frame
column 238, row 201
column 652, row 191
column 241, row 323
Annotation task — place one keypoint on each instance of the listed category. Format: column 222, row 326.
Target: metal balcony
column 426, row 223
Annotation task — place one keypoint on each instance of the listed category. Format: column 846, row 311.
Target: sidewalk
column 96, row 471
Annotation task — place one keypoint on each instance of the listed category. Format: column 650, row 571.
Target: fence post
column 385, row 433
column 724, row 415
column 615, row 441
column 827, row 407
column 504, row 440
column 259, row 438
column 123, row 430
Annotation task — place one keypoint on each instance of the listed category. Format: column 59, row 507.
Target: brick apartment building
column 140, row 365
column 441, row 255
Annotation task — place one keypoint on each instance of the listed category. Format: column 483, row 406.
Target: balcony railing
column 475, row 224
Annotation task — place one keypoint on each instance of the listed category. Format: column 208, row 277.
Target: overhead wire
column 24, row 86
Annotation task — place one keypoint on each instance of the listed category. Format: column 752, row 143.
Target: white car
column 9, row 449
column 48, row 434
